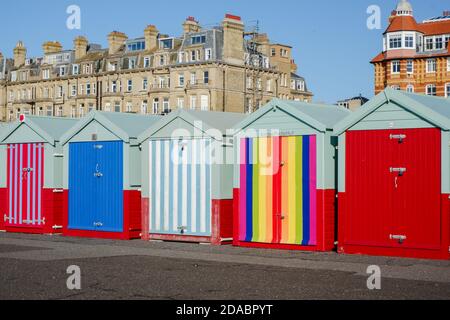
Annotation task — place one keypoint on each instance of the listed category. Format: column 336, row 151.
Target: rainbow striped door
column 278, row 190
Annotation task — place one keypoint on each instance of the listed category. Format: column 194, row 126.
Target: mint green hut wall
column 46, row 130
column 40, row 211
column 207, row 212
column 111, row 126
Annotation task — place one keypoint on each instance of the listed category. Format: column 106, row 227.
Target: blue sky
column 332, row 45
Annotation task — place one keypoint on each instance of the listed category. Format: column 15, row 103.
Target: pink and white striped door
column 25, row 173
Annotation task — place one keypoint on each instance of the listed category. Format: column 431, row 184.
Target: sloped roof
column 124, row 125
column 221, row 121
column 402, row 23
column 320, row 116
column 49, row 128
column 435, row 110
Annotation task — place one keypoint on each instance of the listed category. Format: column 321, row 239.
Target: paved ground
column 34, row 267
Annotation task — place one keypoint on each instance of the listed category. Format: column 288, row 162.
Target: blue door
column 96, row 186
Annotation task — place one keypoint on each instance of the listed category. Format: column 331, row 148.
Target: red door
column 393, row 185
column 25, row 184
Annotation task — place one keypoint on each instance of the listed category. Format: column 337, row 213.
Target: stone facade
column 220, row 69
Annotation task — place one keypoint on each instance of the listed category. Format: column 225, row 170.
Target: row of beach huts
column 292, row 175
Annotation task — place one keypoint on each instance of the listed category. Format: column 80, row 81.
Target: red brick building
column 416, row 56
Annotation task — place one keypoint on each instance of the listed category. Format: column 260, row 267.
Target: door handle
column 98, row 224
column 399, row 137
column 281, row 216
column 182, row 229
column 98, row 174
column 398, row 237
column 400, row 171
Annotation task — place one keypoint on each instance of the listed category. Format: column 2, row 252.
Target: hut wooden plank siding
column 187, row 179
column 31, row 160
column 394, row 182
column 102, row 178
column 284, row 183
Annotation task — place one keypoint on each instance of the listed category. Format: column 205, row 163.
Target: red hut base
column 221, row 221
column 52, row 214
column 326, row 223
column 442, row 253
column 131, row 220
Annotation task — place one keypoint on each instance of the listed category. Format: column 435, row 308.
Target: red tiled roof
column 408, row 23
column 383, row 56
column 402, row 23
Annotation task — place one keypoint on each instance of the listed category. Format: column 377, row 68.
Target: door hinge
column 98, row 224
column 399, row 137
column 399, row 238
column 6, row 218
column 27, row 169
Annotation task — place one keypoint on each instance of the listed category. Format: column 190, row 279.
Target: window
column 117, row 106
column 395, row 41
column 193, row 55
column 59, row 112
column 410, row 88
column 284, row 53
column 59, row 91
column 249, row 82
column 162, row 60
column 144, row 107
column 395, row 87
column 206, row 77
column 448, row 64
column 208, row 54
column 395, row 66
column 90, row 107
column 431, row 90
column 81, row 112
column 144, row 84
column 447, row 90
column 146, row 62
column 131, row 64
column 88, row 89
column 193, row 78
column 129, row 85
column 114, row 86
column 136, row 46
column 155, row 106
column 409, row 41
column 49, row 111
column 193, row 103
column 108, row 106
column 431, row 65
column 87, row 69
column 166, row 106
column 429, row 43
column 447, row 40
column 81, row 89
column 180, row 57
column 180, row 103
column 112, row 66
column 181, row 80
column 204, row 103
column 410, row 66
column 73, row 91
column 166, row 43
column 273, row 52
column 62, row 71
column 439, row 44
column 198, row 39
column 269, row 85
column 45, row 74
column 129, row 107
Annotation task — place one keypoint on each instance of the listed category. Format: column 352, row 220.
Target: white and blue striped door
column 180, row 187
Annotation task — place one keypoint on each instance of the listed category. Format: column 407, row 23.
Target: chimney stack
column 191, row 25
column 20, row 54
column 52, row 47
column 233, row 39
column 116, row 40
column 80, row 45
column 151, row 37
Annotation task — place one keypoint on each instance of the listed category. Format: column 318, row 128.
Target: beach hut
column 187, row 180
column 394, row 183
column 284, row 180
column 102, row 177
column 31, row 174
